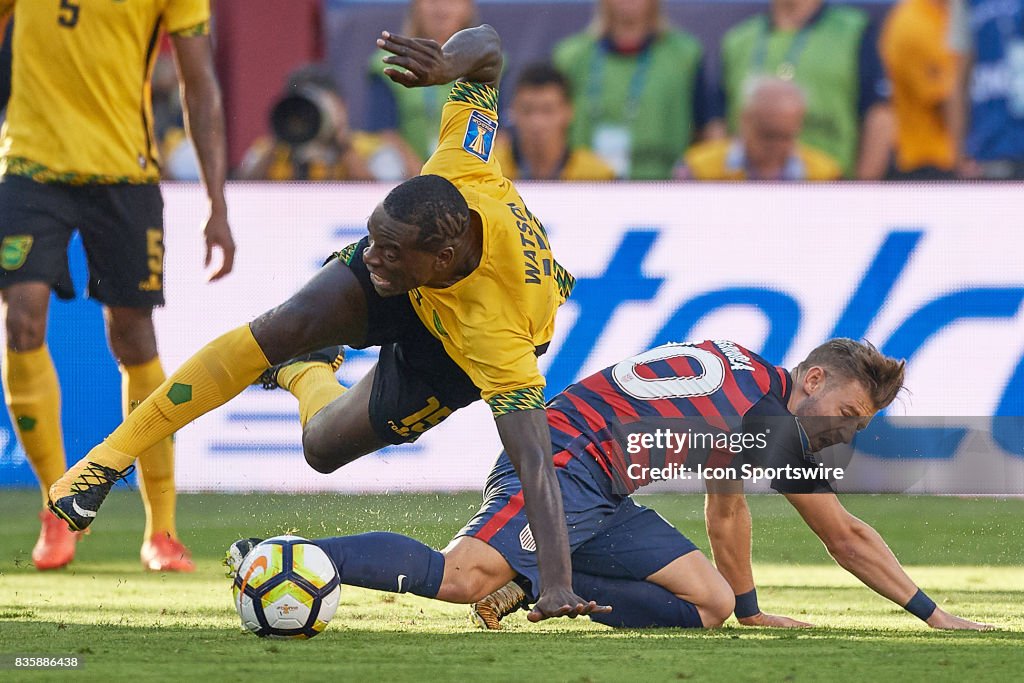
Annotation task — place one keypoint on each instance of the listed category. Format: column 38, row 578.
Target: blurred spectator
column 409, row 118
column 537, row 148
column 922, row 70
column 310, row 139
column 987, row 109
column 768, row 146
column 832, row 53
column 179, row 157
column 638, row 88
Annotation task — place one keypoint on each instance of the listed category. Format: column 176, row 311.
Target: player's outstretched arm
column 525, row 436
column 860, row 550
column 728, row 523
column 204, row 119
column 473, row 54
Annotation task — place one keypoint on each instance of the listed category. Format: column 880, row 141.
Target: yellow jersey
column 580, row 163
column 922, row 69
column 493, row 322
column 80, row 109
column 726, row 160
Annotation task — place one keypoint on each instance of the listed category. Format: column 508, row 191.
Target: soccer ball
column 286, row 587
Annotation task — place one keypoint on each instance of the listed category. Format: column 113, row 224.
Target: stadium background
column 926, row 272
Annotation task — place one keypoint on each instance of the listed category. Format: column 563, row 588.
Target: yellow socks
column 211, row 378
column 314, row 384
column 156, row 465
column 32, row 393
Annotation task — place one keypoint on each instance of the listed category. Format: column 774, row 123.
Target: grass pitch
column 967, row 553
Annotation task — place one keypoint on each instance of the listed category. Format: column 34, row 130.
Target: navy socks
column 635, row 604
column 386, row 562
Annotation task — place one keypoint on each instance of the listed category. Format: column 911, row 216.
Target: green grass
column 125, row 623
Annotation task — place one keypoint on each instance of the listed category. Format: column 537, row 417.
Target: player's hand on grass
column 421, row 58
column 217, row 233
column 561, row 602
column 944, row 620
column 773, row 621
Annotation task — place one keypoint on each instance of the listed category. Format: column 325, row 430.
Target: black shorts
column 416, row 384
column 122, row 230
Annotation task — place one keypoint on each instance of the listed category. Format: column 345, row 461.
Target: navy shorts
column 416, row 384
column 609, row 535
column 122, row 230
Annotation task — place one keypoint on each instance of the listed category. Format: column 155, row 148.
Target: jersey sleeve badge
column 479, row 137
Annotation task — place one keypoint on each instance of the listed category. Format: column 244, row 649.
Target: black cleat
column 77, row 496
column 236, row 554
column 333, row 356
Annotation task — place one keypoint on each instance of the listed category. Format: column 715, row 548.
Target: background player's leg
column 32, row 394
column 133, row 343
column 31, row 388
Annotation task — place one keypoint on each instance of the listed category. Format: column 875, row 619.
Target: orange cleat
column 56, row 545
column 162, row 553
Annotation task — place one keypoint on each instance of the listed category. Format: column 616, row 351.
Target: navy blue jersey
column 678, row 405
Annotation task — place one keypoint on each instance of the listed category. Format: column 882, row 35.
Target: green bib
column 655, row 108
column 822, row 60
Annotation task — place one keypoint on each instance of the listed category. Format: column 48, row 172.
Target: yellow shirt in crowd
column 580, row 164
column 724, row 160
column 915, row 50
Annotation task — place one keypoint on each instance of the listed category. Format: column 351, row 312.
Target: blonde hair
column 601, row 23
column 881, row 375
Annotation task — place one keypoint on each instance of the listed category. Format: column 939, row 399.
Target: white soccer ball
column 286, row 587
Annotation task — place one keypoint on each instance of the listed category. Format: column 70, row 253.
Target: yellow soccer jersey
column 80, row 108
column 493, row 321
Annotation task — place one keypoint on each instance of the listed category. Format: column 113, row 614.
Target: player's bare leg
column 32, row 394
column 694, row 579
column 341, row 431
column 472, row 570
column 330, row 308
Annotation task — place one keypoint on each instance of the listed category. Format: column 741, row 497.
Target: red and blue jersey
column 674, row 405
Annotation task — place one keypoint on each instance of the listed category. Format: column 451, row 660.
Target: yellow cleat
column 489, row 612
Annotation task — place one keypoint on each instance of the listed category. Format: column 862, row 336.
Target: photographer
column 310, row 137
